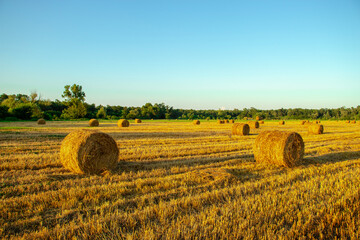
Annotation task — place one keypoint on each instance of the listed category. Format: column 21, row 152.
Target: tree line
column 73, row 106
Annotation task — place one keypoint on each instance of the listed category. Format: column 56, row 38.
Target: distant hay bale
column 93, row 123
column 282, row 122
column 261, row 122
column 253, row 124
column 137, row 120
column 88, row 152
column 123, row 123
column 347, row 121
column 245, row 118
column 316, row 128
column 303, row 122
column 226, row 120
column 41, row 121
column 232, row 121
column 240, row 129
column 280, row 148
column 353, row 121
column 220, row 121
column 258, row 118
column 196, row 122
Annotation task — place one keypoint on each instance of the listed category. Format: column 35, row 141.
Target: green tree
column 73, row 93
column 101, row 113
column 74, row 99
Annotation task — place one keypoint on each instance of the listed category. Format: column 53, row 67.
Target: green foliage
column 4, row 112
column 101, row 113
column 22, row 111
column 75, row 111
column 73, row 93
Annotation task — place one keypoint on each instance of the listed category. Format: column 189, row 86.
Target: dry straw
column 88, row 152
column 232, row 121
column 226, row 120
column 353, row 121
column 41, row 121
column 196, row 122
column 280, row 148
column 137, row 120
column 316, row 128
column 257, row 118
column 261, row 122
column 347, row 121
column 254, row 124
column 220, row 121
column 303, row 122
column 93, row 123
column 282, row 122
column 123, row 123
column 240, row 129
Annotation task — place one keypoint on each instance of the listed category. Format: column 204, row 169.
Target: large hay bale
column 282, row 122
column 280, row 148
column 123, row 123
column 88, row 152
column 232, row 120
column 93, row 123
column 316, row 128
column 41, row 121
column 196, row 122
column 137, row 120
column 240, row 129
column 253, row 124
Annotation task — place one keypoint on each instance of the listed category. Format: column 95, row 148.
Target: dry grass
column 174, row 181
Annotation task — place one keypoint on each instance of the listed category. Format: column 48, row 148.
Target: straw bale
column 347, row 121
column 280, row 148
column 41, row 121
column 240, row 129
column 137, row 120
column 93, row 123
column 261, row 122
column 353, row 121
column 303, row 122
column 316, row 128
column 282, row 122
column 196, row 122
column 88, row 152
column 226, row 120
column 232, row 121
column 220, row 121
column 253, row 124
column 123, row 123
column 258, row 118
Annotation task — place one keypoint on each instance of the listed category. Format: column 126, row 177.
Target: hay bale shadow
column 331, row 158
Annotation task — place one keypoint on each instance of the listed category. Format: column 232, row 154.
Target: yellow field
column 176, row 180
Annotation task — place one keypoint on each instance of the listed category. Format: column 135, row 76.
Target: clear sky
column 197, row 54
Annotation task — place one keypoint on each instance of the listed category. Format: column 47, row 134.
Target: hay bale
column 240, row 129
column 353, row 121
column 88, row 152
column 137, row 120
column 303, row 122
column 123, row 123
column 316, row 128
column 226, row 120
column 220, row 121
column 232, row 121
column 282, row 122
column 253, row 124
column 258, row 118
column 41, row 121
column 93, row 123
column 347, row 121
column 280, row 148
column 261, row 122
column 196, row 122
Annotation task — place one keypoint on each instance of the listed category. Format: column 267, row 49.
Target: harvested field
column 175, row 180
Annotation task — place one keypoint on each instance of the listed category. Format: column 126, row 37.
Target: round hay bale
column 258, row 118
column 226, row 120
column 137, row 120
column 280, row 148
column 196, row 122
column 220, row 121
column 282, row 122
column 253, row 124
column 41, row 121
column 316, row 128
column 347, row 121
column 88, row 152
column 303, row 122
column 93, row 123
column 240, row 129
column 232, row 121
column 123, row 123
column 261, row 122
column 353, row 121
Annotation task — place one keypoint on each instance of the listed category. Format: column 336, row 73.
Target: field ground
column 176, row 180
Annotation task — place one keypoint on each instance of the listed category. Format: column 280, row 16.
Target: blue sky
column 185, row 53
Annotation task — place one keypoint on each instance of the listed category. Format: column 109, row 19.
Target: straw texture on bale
column 137, row 121
column 282, row 122
column 88, row 152
column 253, row 124
column 280, row 148
column 123, row 123
column 261, row 122
column 240, row 129
column 196, row 122
column 93, row 123
column 316, row 128
column 232, row 121
column 41, row 121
